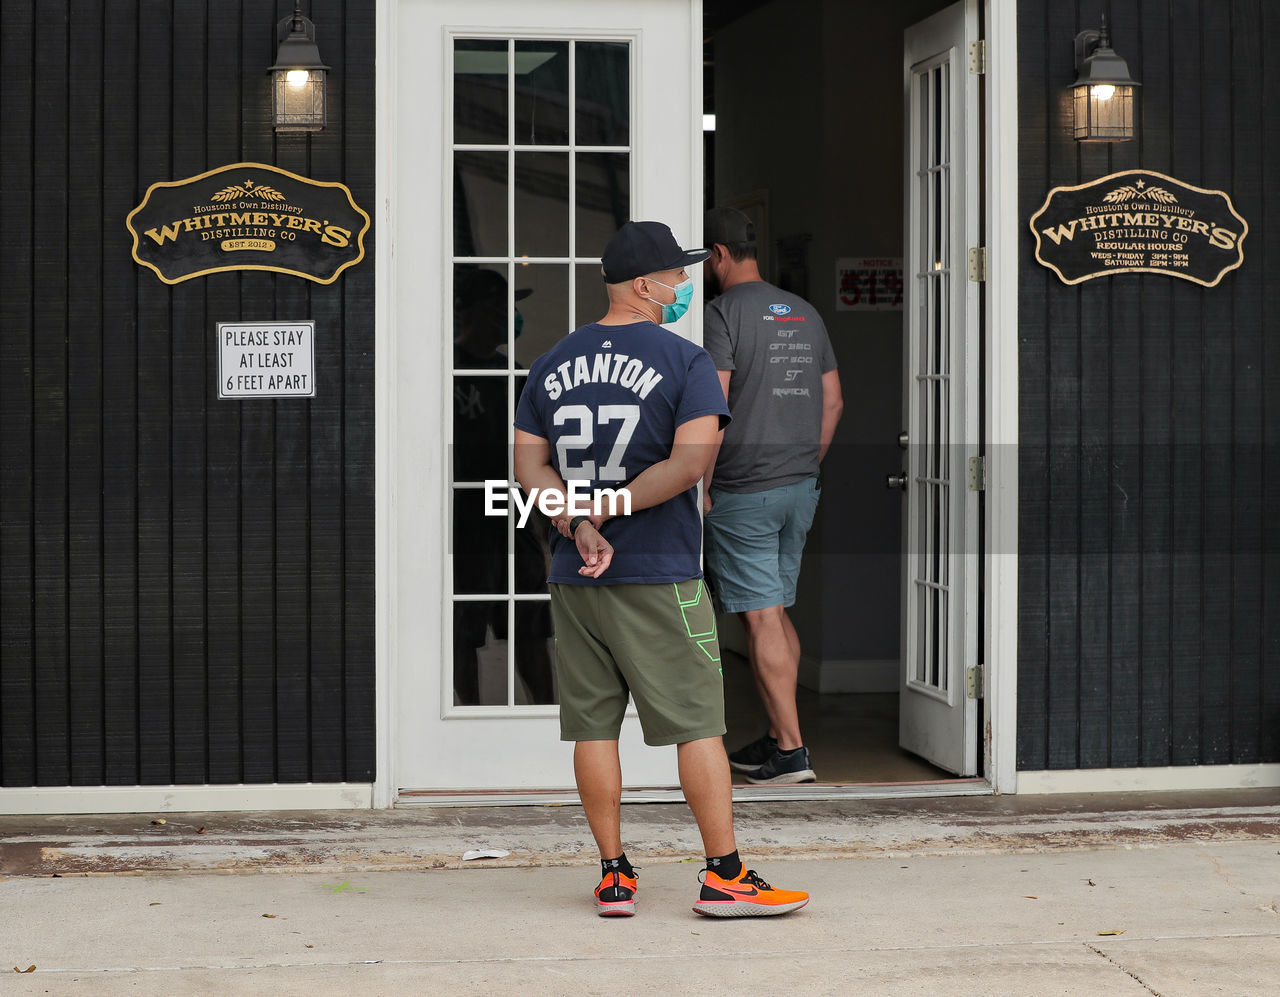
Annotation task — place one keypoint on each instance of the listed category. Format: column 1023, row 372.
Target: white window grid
column 509, row 262
column 934, row 272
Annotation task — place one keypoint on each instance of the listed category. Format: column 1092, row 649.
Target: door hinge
column 973, row 682
column 977, row 474
column 978, row 263
column 978, row 57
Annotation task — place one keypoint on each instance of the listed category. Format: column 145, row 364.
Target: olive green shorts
column 656, row 642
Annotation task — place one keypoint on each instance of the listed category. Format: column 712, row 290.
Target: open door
column 938, row 708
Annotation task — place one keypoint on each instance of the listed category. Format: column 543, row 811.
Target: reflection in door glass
column 480, row 653
column 480, row 91
column 591, row 299
column 479, row 204
column 535, row 655
column 479, row 407
column 604, row 93
column 542, row 204
column 535, row 635
column 542, row 93
column 478, row 545
column 524, row 221
column 481, row 330
column 544, row 310
column 602, row 199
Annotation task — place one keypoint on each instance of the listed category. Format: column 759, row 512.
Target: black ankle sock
column 725, row 866
column 620, row 864
column 789, row 751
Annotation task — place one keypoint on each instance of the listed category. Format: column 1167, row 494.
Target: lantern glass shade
column 298, row 77
column 298, row 99
column 1104, row 112
column 1103, row 93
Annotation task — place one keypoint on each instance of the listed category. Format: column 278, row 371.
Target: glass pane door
column 930, row 480
column 937, row 716
column 541, row 179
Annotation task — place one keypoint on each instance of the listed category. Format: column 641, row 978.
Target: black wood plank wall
column 1149, row 578
column 186, row 584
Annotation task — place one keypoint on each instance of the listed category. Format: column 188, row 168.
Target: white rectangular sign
column 267, row 359
column 869, row 284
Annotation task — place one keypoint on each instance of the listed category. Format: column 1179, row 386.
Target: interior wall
column 809, row 109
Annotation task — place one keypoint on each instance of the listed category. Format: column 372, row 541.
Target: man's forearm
column 832, row 409
column 542, row 477
column 710, row 472
column 668, row 478
column 830, row 417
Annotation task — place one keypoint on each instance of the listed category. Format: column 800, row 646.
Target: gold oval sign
column 248, row 216
column 1139, row 221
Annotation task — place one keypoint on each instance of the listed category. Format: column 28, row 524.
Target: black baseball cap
column 639, row 248
column 727, row 227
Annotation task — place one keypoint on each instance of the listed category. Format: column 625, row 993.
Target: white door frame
column 386, row 562
column 1000, row 562
column 1000, row 558
column 412, row 520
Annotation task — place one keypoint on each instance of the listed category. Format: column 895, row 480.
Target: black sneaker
column 784, row 767
column 751, row 756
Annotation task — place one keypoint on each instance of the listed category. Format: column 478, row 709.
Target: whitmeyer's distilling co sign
column 248, row 216
column 1139, row 221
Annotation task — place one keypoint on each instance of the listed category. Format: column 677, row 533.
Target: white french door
column 525, row 135
column 941, row 556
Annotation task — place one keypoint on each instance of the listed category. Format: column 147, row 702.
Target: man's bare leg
column 599, row 776
column 707, row 785
column 774, row 649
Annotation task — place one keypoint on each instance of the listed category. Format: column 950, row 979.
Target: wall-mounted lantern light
column 298, row 77
column 1103, row 90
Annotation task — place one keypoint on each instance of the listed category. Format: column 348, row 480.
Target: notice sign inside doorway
column 869, row 284
column 266, row 359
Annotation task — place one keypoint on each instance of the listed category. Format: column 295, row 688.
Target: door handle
column 903, row 439
column 896, row 481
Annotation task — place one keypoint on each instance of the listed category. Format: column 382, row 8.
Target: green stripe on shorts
column 705, row 639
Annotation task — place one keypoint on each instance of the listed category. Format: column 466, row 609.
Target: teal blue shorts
column 754, row 542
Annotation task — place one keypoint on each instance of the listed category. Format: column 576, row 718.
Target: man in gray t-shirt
column 779, row 375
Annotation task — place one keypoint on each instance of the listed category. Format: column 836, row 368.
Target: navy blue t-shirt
column 609, row 398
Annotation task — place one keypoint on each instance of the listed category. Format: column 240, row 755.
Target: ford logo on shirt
column 780, row 309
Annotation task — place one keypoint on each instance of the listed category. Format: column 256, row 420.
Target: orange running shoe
column 616, row 896
column 746, row 896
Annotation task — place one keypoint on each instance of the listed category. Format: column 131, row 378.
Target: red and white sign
column 869, row 284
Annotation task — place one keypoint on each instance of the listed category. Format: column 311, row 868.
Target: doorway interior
column 805, row 133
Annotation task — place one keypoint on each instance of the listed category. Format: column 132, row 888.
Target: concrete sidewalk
column 437, row 837
column 953, row 896
column 1195, row 919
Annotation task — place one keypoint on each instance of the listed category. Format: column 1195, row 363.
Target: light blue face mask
column 684, row 295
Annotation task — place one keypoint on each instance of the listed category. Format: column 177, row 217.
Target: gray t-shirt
column 777, row 348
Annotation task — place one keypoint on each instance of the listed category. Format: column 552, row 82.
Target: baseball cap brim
column 688, row 258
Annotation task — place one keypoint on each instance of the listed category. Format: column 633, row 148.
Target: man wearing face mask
column 624, row 402
column 779, row 374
